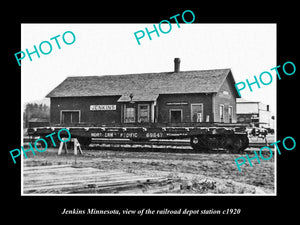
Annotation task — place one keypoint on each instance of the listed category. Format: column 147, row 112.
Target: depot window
column 129, row 114
column 221, row 113
column 197, row 112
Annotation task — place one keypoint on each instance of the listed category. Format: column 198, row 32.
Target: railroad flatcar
column 199, row 104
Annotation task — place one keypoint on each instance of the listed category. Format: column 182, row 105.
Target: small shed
column 38, row 122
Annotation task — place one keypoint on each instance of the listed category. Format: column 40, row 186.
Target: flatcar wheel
column 245, row 143
column 84, row 142
column 234, row 144
column 194, row 142
column 197, row 144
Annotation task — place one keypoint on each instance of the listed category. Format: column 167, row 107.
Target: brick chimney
column 177, row 65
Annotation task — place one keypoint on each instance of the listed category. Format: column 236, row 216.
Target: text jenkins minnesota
column 90, row 211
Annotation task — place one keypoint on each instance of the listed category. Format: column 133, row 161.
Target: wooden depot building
column 170, row 98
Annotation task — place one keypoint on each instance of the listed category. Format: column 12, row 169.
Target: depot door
column 69, row 117
column 175, row 115
column 143, row 113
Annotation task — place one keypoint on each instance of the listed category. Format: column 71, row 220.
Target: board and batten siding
column 95, row 116
column 183, row 102
column 225, row 97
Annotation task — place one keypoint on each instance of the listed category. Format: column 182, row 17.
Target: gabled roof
column 145, row 84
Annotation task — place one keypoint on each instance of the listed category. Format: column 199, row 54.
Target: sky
column 111, row 49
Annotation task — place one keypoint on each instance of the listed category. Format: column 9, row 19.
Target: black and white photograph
column 163, row 117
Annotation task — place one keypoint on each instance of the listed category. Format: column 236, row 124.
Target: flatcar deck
column 229, row 136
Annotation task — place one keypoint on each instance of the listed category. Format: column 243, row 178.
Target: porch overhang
column 138, row 98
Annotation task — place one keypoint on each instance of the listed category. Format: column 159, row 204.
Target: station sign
column 102, row 107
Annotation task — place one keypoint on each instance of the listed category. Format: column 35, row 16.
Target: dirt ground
column 199, row 173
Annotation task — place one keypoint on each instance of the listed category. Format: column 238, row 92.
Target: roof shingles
column 201, row 81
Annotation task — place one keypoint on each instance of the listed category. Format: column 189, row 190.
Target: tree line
column 34, row 110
